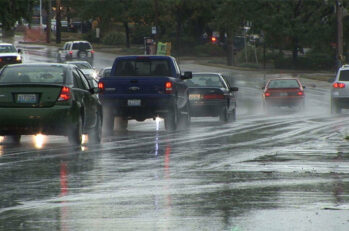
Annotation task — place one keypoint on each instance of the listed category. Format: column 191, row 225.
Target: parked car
column 284, row 92
column 210, row 96
column 51, row 99
column 9, row 54
column 85, row 67
column 145, row 87
column 104, row 72
column 76, row 50
column 340, row 90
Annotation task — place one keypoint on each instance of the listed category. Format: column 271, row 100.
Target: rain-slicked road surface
column 282, row 171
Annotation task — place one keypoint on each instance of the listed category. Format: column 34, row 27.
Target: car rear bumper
column 342, row 102
column 283, row 101
column 148, row 107
column 206, row 108
column 55, row 120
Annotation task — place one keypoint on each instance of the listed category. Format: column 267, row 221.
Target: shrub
column 114, row 38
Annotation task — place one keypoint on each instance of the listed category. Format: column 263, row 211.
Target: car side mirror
column 19, row 51
column 263, row 88
column 234, row 89
column 187, row 75
column 304, row 87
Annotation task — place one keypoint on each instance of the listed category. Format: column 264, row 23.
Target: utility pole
column 58, row 21
column 339, row 12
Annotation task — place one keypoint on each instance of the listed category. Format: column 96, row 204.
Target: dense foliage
column 286, row 27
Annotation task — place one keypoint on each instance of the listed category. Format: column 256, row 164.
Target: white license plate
column 134, row 102
column 194, row 96
column 26, row 98
column 283, row 94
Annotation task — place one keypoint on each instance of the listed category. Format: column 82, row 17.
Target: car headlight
column 19, row 58
column 94, row 75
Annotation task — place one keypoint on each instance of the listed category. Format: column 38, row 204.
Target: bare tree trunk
column 127, row 32
column 58, row 21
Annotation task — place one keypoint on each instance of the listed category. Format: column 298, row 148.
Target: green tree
column 12, row 11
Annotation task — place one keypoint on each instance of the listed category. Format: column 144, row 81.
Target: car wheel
column 95, row 135
column 82, row 54
column 233, row 115
column 121, row 123
column 225, row 115
column 171, row 120
column 335, row 109
column 75, row 135
column 16, row 139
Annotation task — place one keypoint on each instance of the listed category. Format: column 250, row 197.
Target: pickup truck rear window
column 143, row 68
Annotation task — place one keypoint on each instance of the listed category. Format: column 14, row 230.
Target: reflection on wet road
column 266, row 171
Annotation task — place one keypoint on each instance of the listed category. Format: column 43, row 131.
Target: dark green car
column 51, row 99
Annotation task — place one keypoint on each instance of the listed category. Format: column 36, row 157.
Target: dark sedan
column 50, row 99
column 211, row 95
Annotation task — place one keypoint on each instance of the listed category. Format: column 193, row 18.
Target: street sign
column 153, row 30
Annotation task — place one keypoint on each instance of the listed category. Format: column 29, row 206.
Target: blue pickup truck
column 144, row 87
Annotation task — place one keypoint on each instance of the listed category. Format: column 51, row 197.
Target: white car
column 76, row 50
column 9, row 54
column 85, row 67
column 340, row 90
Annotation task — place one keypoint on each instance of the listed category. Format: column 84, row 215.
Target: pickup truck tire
column 75, row 135
column 108, row 121
column 171, row 120
column 121, row 123
column 16, row 139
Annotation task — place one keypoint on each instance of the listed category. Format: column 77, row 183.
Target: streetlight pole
column 40, row 13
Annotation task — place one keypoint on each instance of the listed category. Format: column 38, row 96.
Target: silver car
column 340, row 90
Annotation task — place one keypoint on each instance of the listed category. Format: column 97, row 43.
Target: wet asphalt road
column 281, row 171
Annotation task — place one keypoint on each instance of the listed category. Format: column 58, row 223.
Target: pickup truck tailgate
column 133, row 86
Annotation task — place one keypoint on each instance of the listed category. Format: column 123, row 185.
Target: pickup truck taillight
column 168, row 87
column 101, row 86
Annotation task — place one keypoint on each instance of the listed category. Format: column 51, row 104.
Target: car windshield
column 7, row 49
column 142, row 67
column 81, row 46
column 283, row 83
column 344, row 75
column 205, row 80
column 33, row 74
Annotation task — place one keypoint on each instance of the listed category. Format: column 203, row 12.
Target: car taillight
column 65, row 94
column 101, row 86
column 338, row 85
column 168, row 87
column 0, row 59
column 92, row 52
column 300, row 93
column 267, row 94
column 70, row 53
column 214, row 96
